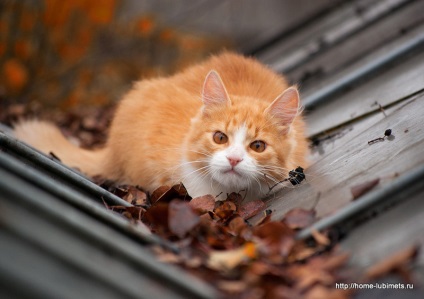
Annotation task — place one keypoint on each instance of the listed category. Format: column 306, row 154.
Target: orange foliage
column 71, row 101
column 3, row 27
column 71, row 52
column 15, row 75
column 145, row 25
column 27, row 21
column 58, row 12
column 166, row 35
column 22, row 49
column 99, row 12
column 2, row 49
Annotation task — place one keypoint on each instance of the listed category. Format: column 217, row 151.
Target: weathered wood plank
column 280, row 52
column 395, row 230
column 395, row 83
column 378, row 35
column 354, row 161
column 249, row 24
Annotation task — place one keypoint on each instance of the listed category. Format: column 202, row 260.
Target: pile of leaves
column 236, row 247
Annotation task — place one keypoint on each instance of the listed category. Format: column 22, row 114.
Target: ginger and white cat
column 228, row 124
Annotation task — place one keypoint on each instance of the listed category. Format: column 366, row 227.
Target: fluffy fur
column 163, row 129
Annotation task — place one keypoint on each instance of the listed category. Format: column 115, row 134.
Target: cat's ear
column 214, row 92
column 285, row 107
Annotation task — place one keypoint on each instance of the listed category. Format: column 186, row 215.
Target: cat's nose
column 234, row 160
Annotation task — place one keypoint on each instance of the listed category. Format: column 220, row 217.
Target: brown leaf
column 320, row 292
column 229, row 259
column 330, row 262
column 182, row 191
column 299, row 218
column 232, row 286
column 273, row 231
column 320, row 238
column 278, row 239
column 397, row 260
column 166, row 193
column 120, row 191
column 203, row 204
column 265, row 218
column 135, row 196
column 312, row 276
column 236, row 225
column 136, row 212
column 361, row 189
column 181, row 217
column 157, row 215
column 236, row 198
column 225, row 210
column 163, row 193
column 251, row 208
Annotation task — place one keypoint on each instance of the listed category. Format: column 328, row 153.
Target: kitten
column 228, row 124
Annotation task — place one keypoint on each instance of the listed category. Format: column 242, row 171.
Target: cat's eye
column 220, row 137
column 258, row 146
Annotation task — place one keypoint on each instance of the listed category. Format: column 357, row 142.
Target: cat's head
column 240, row 142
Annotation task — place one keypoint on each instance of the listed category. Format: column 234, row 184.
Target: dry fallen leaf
column 157, row 216
column 225, row 209
column 320, row 238
column 278, row 238
column 135, row 196
column 236, row 198
column 361, row 189
column 229, row 259
column 251, row 208
column 236, row 225
column 203, row 204
column 397, row 260
column 181, row 217
column 299, row 218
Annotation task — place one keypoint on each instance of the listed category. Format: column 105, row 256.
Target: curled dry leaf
column 232, row 286
column 251, row 208
column 265, row 218
column 299, row 218
column 278, row 239
column 181, row 218
column 166, row 193
column 159, row 193
column 136, row 197
column 157, row 216
column 203, row 204
column 236, row 225
column 225, row 210
column 361, row 189
column 396, row 261
column 133, row 213
column 236, row 198
column 182, row 191
column 229, row 259
column 320, row 238
column 320, row 292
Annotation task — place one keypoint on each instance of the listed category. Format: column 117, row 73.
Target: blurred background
column 69, row 53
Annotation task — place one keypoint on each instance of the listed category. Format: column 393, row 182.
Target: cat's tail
column 47, row 138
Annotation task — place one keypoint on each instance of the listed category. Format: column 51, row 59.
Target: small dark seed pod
column 388, row 132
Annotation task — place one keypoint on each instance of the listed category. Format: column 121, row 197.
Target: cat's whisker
column 174, row 168
column 200, row 152
column 194, row 171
